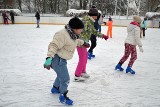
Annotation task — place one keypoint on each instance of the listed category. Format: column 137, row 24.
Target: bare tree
column 27, row 3
column 51, row 6
column 80, row 4
column 19, row 4
column 67, row 2
column 58, row 5
column 43, row 6
column 85, row 2
column 106, row 6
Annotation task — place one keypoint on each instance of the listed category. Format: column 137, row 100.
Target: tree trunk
column 43, row 6
column 67, row 2
column 35, row 5
column 51, row 6
column 5, row 4
column 80, row 4
column 85, row 2
column 20, row 4
column 58, row 6
column 29, row 6
column 55, row 6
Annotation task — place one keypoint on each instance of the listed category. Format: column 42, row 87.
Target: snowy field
column 25, row 83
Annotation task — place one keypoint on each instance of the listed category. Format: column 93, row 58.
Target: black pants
column 93, row 43
column 12, row 19
column 143, row 29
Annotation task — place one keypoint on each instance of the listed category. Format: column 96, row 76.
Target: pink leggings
column 129, row 49
column 83, row 56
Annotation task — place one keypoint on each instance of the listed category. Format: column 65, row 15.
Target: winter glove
column 141, row 49
column 86, row 45
column 47, row 63
column 105, row 37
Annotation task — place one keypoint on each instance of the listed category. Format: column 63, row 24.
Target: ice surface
column 25, row 83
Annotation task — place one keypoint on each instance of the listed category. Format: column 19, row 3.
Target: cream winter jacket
column 63, row 45
column 133, row 36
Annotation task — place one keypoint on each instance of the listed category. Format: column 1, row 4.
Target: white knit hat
column 137, row 19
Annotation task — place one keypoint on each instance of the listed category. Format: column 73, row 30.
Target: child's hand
column 141, row 49
column 105, row 37
column 86, row 45
column 47, row 63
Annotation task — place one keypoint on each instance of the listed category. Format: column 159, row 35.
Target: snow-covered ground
column 25, row 83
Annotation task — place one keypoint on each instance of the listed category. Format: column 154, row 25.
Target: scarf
column 135, row 23
column 71, row 33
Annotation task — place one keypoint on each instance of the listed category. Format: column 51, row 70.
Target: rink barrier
column 64, row 20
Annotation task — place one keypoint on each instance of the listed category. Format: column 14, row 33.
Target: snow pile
column 16, row 11
column 152, row 14
column 74, row 12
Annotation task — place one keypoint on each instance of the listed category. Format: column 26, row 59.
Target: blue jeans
column 59, row 65
column 38, row 20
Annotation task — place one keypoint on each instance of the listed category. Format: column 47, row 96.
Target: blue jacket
column 144, row 24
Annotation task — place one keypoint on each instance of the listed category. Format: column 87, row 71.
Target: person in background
column 109, row 24
column 5, row 17
column 12, row 16
column 133, row 39
column 61, row 49
column 143, row 27
column 100, row 21
column 37, row 15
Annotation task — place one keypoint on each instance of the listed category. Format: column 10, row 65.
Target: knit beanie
column 137, row 19
column 76, row 23
column 93, row 12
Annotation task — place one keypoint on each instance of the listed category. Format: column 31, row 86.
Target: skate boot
column 55, row 90
column 129, row 69
column 93, row 56
column 90, row 55
column 64, row 99
column 78, row 79
column 118, row 67
column 85, row 75
column 38, row 26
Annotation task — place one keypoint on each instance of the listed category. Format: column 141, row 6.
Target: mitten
column 86, row 45
column 47, row 63
column 141, row 49
column 105, row 37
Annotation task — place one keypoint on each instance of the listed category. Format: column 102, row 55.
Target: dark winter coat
column 4, row 15
column 96, row 24
column 37, row 15
column 12, row 15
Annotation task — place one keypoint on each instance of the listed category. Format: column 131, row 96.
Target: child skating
column 143, row 27
column 133, row 39
column 61, row 49
column 109, row 24
column 80, row 73
column 93, row 38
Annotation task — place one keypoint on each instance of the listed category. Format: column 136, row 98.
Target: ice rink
column 25, row 83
